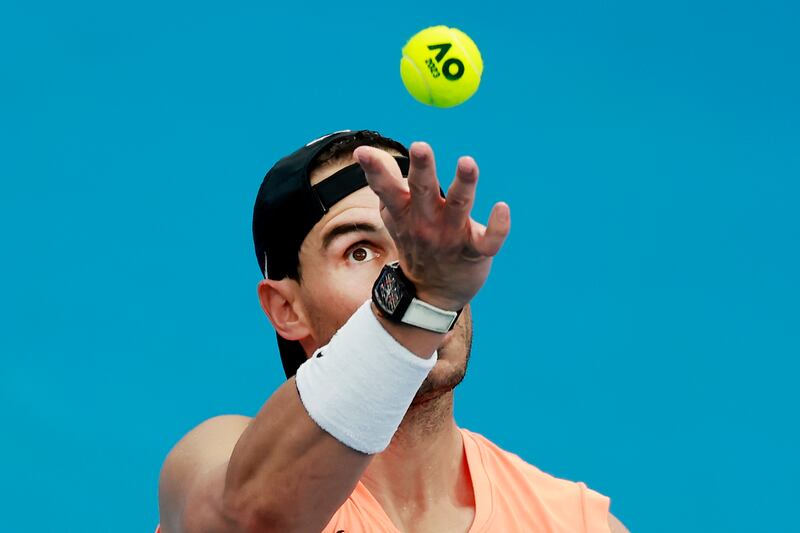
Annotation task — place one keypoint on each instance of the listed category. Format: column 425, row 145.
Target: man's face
column 340, row 259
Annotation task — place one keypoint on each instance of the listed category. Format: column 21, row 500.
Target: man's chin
column 443, row 378
column 451, row 364
column 425, row 397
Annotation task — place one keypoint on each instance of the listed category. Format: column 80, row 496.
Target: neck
column 424, row 466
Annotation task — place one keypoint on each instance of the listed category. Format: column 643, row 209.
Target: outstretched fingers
column 488, row 241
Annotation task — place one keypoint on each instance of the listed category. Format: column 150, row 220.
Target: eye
column 361, row 254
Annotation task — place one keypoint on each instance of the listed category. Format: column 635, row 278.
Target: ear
column 278, row 299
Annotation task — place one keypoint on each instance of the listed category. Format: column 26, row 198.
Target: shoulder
column 198, row 456
column 521, row 483
column 210, row 439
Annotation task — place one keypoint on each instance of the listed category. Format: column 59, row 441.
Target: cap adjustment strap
column 345, row 182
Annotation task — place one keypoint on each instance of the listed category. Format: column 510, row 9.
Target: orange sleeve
column 595, row 510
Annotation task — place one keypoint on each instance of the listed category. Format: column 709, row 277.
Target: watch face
column 389, row 291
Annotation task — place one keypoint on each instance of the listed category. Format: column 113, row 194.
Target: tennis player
column 369, row 271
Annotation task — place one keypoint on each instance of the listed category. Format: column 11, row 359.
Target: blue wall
column 639, row 331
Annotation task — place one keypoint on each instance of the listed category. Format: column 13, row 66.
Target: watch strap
column 426, row 316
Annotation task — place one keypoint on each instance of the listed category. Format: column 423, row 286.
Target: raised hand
column 442, row 250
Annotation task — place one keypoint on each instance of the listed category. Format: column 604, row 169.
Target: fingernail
column 418, row 151
column 505, row 214
column 467, row 173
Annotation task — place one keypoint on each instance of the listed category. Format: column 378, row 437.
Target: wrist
column 437, row 299
column 421, row 342
column 396, row 297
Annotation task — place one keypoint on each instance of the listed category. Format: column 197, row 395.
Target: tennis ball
column 441, row 66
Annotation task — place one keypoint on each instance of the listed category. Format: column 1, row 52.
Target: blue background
column 639, row 331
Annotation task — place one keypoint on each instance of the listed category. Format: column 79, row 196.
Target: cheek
column 355, row 284
column 334, row 294
column 345, row 294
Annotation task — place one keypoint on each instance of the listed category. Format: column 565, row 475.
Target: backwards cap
column 288, row 206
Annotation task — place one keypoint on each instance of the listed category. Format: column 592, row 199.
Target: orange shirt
column 510, row 496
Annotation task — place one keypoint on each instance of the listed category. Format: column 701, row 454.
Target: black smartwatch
column 395, row 297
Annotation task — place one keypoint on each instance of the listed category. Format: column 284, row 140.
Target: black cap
column 288, row 206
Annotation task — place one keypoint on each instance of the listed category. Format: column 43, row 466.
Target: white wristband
column 359, row 386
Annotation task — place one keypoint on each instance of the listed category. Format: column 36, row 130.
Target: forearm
column 284, row 461
column 285, row 466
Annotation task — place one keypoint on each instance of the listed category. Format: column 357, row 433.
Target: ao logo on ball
column 452, row 69
column 441, row 66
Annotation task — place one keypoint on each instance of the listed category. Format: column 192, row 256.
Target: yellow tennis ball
column 441, row 66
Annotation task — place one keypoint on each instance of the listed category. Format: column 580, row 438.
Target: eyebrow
column 343, row 229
